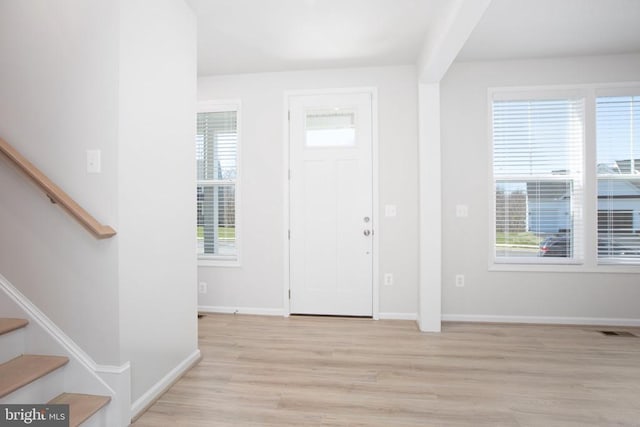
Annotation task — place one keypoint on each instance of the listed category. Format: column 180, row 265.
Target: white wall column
column 442, row 44
column 430, row 290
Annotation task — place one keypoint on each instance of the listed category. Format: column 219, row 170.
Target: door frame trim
column 373, row 91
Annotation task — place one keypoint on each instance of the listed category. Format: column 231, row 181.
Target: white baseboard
column 241, row 310
column 398, row 316
column 151, row 395
column 280, row 312
column 594, row 321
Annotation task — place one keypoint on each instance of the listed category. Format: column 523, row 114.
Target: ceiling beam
column 447, row 37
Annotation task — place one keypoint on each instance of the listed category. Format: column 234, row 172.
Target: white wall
column 258, row 283
column 119, row 77
column 466, row 170
column 156, row 160
column 58, row 98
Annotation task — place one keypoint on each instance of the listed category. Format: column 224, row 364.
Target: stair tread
column 25, row 369
column 81, row 406
column 8, row 324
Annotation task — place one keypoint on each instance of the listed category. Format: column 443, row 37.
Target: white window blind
column 217, row 169
column 618, row 172
column 537, row 173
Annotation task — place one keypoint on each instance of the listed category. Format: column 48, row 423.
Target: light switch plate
column 93, row 161
column 390, row 210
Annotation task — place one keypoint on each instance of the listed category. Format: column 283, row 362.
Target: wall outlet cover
column 388, row 279
column 202, row 287
column 462, row 211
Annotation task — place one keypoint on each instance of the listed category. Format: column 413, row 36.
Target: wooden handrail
column 55, row 194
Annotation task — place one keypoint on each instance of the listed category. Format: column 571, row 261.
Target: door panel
column 331, row 257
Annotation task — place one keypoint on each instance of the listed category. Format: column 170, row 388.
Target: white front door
column 331, row 204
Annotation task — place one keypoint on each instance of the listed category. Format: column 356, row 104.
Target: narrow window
column 217, row 140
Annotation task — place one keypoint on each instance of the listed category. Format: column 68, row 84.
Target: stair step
column 8, row 324
column 25, row 369
column 81, row 406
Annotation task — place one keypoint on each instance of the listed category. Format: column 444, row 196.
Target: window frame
column 589, row 208
column 220, row 106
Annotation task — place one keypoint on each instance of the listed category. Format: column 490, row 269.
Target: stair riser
column 12, row 345
column 41, row 390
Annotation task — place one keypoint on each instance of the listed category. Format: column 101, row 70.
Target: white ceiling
column 247, row 36
column 244, row 36
column 517, row 29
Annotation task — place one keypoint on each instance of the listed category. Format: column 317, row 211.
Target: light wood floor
column 274, row 371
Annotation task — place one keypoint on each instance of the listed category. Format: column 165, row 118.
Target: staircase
column 39, row 379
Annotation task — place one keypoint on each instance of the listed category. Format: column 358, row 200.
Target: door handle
column 367, row 232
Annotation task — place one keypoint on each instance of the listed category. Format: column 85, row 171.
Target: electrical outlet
column 460, row 280
column 202, row 287
column 388, row 279
column 462, row 211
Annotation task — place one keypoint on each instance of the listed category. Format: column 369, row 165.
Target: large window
column 566, row 176
column 217, row 141
column 618, row 176
column 537, row 170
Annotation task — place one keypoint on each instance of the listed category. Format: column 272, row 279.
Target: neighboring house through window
column 217, row 148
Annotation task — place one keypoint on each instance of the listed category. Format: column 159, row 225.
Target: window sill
column 565, row 268
column 218, row 262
